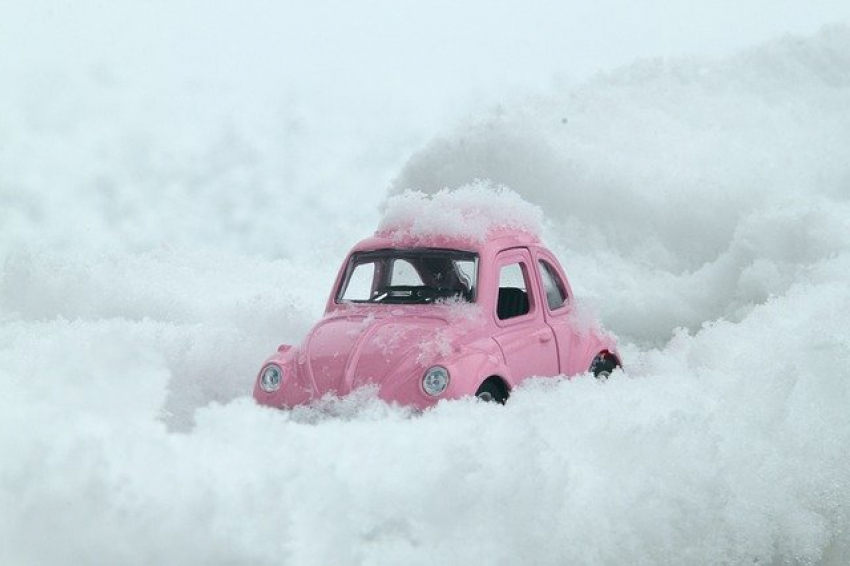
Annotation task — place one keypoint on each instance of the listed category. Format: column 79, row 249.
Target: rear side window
column 513, row 292
column 556, row 294
column 404, row 273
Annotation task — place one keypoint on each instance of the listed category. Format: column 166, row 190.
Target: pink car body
column 483, row 336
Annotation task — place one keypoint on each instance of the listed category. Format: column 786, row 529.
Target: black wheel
column 603, row 364
column 492, row 391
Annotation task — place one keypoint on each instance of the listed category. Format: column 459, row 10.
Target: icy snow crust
column 700, row 207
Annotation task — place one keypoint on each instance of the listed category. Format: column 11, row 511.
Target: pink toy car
column 439, row 318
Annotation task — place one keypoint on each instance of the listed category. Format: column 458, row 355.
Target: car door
column 558, row 312
column 526, row 340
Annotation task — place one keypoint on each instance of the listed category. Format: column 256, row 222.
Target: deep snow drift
column 685, row 190
column 700, row 207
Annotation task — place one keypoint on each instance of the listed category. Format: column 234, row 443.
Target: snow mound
column 701, row 207
column 472, row 212
column 681, row 190
column 733, row 431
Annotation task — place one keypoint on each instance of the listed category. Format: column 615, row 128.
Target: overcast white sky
column 353, row 88
column 428, row 52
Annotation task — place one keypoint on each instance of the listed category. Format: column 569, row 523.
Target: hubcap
column 486, row 396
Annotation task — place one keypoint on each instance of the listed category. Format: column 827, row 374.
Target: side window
column 404, row 274
column 360, row 283
column 466, row 270
column 513, row 292
column 556, row 294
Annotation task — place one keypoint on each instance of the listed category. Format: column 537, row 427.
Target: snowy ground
column 156, row 243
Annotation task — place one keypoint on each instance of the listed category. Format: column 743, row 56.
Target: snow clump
column 472, row 212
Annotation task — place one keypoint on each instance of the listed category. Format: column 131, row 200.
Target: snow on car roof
column 472, row 214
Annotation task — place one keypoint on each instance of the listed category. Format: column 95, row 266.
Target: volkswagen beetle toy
column 442, row 317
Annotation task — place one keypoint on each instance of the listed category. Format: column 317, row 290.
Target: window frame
column 541, row 253
column 544, row 265
column 395, row 254
column 520, row 256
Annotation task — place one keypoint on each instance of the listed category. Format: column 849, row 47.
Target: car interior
column 513, row 302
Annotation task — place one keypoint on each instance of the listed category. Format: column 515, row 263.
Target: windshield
column 417, row 276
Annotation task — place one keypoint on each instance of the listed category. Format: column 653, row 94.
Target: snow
column 472, row 212
column 155, row 249
column 679, row 190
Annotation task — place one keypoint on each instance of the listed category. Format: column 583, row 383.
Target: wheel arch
column 478, row 365
column 604, row 355
column 613, row 354
column 501, row 381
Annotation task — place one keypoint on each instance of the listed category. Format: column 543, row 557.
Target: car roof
column 500, row 239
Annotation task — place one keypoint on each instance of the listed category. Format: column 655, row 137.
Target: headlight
column 435, row 381
column 270, row 378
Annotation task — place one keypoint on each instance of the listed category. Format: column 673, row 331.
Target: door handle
column 544, row 336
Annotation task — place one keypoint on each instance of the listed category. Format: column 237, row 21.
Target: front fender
column 468, row 368
column 294, row 390
column 472, row 369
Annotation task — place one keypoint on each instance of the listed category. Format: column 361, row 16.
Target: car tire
column 603, row 365
column 492, row 391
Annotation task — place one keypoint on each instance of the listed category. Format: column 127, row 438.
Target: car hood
column 347, row 351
